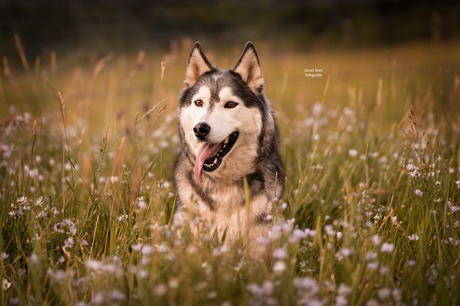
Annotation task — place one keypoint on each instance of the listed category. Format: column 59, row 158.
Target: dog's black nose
column 201, row 130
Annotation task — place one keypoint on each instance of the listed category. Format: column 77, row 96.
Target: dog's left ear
column 248, row 67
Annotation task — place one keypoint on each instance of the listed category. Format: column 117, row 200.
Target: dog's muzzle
column 201, row 130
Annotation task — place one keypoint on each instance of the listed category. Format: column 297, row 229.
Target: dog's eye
column 230, row 104
column 199, row 103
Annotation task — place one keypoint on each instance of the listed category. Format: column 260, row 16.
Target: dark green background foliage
column 64, row 25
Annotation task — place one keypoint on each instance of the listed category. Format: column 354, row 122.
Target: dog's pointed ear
column 197, row 65
column 248, row 66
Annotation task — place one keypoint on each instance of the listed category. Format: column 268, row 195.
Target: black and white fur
column 214, row 104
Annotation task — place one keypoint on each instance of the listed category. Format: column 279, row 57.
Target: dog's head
column 222, row 113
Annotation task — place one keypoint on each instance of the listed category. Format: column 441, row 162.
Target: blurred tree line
column 45, row 25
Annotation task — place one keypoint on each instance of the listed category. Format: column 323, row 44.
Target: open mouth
column 210, row 156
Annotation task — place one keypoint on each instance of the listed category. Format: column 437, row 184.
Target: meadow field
column 370, row 141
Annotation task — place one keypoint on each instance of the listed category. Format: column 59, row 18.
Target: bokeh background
column 101, row 26
column 370, row 51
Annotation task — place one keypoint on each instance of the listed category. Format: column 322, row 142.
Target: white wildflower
column 310, row 233
column 384, row 270
column 22, row 200
column 137, row 247
column 309, row 121
column 69, row 242
column 39, row 201
column 141, row 204
column 316, row 137
column 317, row 109
column 98, row 299
column 353, row 152
column 387, row 248
column 143, row 274
column 116, row 295
column 384, row 293
column 344, row 252
column 174, row 283
column 114, row 179
column 371, row 255
column 265, row 290
column 72, row 227
column 413, row 237
column 161, row 289
column 452, row 207
column 122, row 218
column 344, row 290
column 418, row 193
column 161, row 248
column 413, row 170
column 340, row 301
column 372, row 302
column 329, row 229
column 372, row 266
column 280, row 253
column 348, row 112
column 297, row 235
column 220, row 250
column 60, row 276
column 275, row 232
column 34, row 259
column 93, row 264
column 164, row 144
column 396, row 295
column 147, row 249
column 279, row 267
column 376, row 239
column 373, row 154
column 306, row 285
column 6, row 284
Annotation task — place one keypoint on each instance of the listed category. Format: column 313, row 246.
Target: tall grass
column 371, row 208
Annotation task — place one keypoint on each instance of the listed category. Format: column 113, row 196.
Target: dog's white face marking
column 191, row 115
column 224, row 121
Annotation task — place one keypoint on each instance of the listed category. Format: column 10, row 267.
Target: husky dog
column 229, row 170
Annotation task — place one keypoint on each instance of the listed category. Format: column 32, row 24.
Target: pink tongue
column 206, row 151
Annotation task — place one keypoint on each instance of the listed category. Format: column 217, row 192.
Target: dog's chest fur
column 230, row 216
column 227, row 207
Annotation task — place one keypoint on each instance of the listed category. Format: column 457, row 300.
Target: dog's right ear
column 197, row 65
